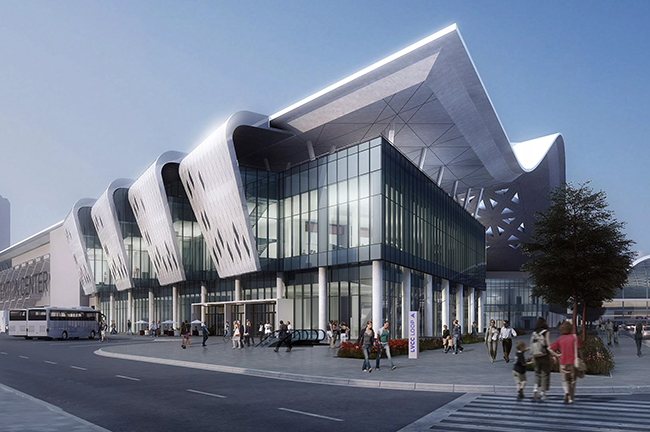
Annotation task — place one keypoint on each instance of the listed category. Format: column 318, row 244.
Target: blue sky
column 93, row 91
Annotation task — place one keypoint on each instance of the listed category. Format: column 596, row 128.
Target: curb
column 391, row 385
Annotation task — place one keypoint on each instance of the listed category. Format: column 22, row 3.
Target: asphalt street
column 122, row 395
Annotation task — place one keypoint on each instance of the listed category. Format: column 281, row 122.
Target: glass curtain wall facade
column 510, row 299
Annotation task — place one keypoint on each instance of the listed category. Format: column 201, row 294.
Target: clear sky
column 94, row 91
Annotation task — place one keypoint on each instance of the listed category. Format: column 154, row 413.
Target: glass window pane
column 343, row 192
column 353, row 165
column 364, row 186
column 364, row 162
column 343, row 169
column 353, row 189
column 332, row 198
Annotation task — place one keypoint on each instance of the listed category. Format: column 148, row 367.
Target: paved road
column 120, row 395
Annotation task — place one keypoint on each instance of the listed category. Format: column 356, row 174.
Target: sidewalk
column 470, row 371
column 43, row 417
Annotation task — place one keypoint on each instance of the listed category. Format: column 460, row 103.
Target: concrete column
column 238, row 293
column 151, row 311
column 129, row 307
column 471, row 316
column 279, row 285
column 481, row 313
column 204, row 299
column 428, row 306
column 175, row 316
column 322, row 298
column 445, row 304
column 460, row 301
column 406, row 302
column 111, row 315
column 377, row 292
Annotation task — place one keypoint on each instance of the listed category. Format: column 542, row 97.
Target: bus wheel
column 64, row 335
column 92, row 334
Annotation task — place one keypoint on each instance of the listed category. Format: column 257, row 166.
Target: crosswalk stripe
column 491, row 413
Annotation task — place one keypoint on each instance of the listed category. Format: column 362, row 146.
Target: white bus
column 18, row 322
column 62, row 323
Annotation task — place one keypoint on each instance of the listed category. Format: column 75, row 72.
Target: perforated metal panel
column 151, row 209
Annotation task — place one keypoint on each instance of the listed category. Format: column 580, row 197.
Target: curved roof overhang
column 77, row 245
column 427, row 99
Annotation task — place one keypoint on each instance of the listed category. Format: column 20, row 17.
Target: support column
column 471, row 315
column 377, row 291
column 238, row 293
column 175, row 316
column 151, row 311
column 322, row 298
column 129, row 307
column 445, row 304
column 460, row 302
column 428, row 306
column 204, row 299
column 406, row 302
column 111, row 314
column 279, row 285
column 481, row 314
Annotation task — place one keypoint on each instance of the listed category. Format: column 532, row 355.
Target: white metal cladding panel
column 77, row 246
column 151, row 209
column 108, row 229
column 211, row 177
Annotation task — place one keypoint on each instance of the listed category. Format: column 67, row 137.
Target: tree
column 579, row 253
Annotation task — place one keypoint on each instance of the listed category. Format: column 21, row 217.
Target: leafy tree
column 579, row 253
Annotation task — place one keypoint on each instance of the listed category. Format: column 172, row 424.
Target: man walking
column 615, row 332
column 282, row 336
column 455, row 335
column 506, row 336
column 206, row 333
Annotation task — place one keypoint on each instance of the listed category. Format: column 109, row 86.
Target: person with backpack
column 540, row 340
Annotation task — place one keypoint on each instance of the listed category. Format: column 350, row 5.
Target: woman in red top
column 566, row 345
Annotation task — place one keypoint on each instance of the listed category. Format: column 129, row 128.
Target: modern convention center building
column 393, row 190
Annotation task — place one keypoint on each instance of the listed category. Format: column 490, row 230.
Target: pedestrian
column 365, row 340
column 102, row 331
column 335, row 332
column 226, row 332
column 268, row 329
column 330, row 333
column 455, row 335
column 206, row 333
column 152, row 329
column 519, row 369
column 446, row 339
column 289, row 336
column 236, row 335
column 474, row 329
column 113, row 328
column 260, row 332
column 506, row 335
column 188, row 332
column 128, row 327
column 609, row 328
column 615, row 330
column 183, row 331
column 568, row 345
column 158, row 329
column 540, row 340
column 282, row 335
column 248, row 333
column 344, row 332
column 382, row 337
column 492, row 340
column 638, row 338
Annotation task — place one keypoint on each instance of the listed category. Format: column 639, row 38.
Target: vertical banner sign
column 414, row 340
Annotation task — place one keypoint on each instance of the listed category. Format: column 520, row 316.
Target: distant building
column 5, row 223
column 633, row 301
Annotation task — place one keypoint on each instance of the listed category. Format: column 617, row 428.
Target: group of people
column 543, row 354
column 336, row 331
column 368, row 338
column 451, row 340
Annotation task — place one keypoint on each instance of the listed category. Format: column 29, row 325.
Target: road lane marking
column 2, row 352
column 23, row 357
column 207, row 394
column 129, row 378
column 310, row 414
column 50, row 362
column 78, row 368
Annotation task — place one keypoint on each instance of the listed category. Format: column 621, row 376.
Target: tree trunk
column 584, row 322
column 575, row 312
